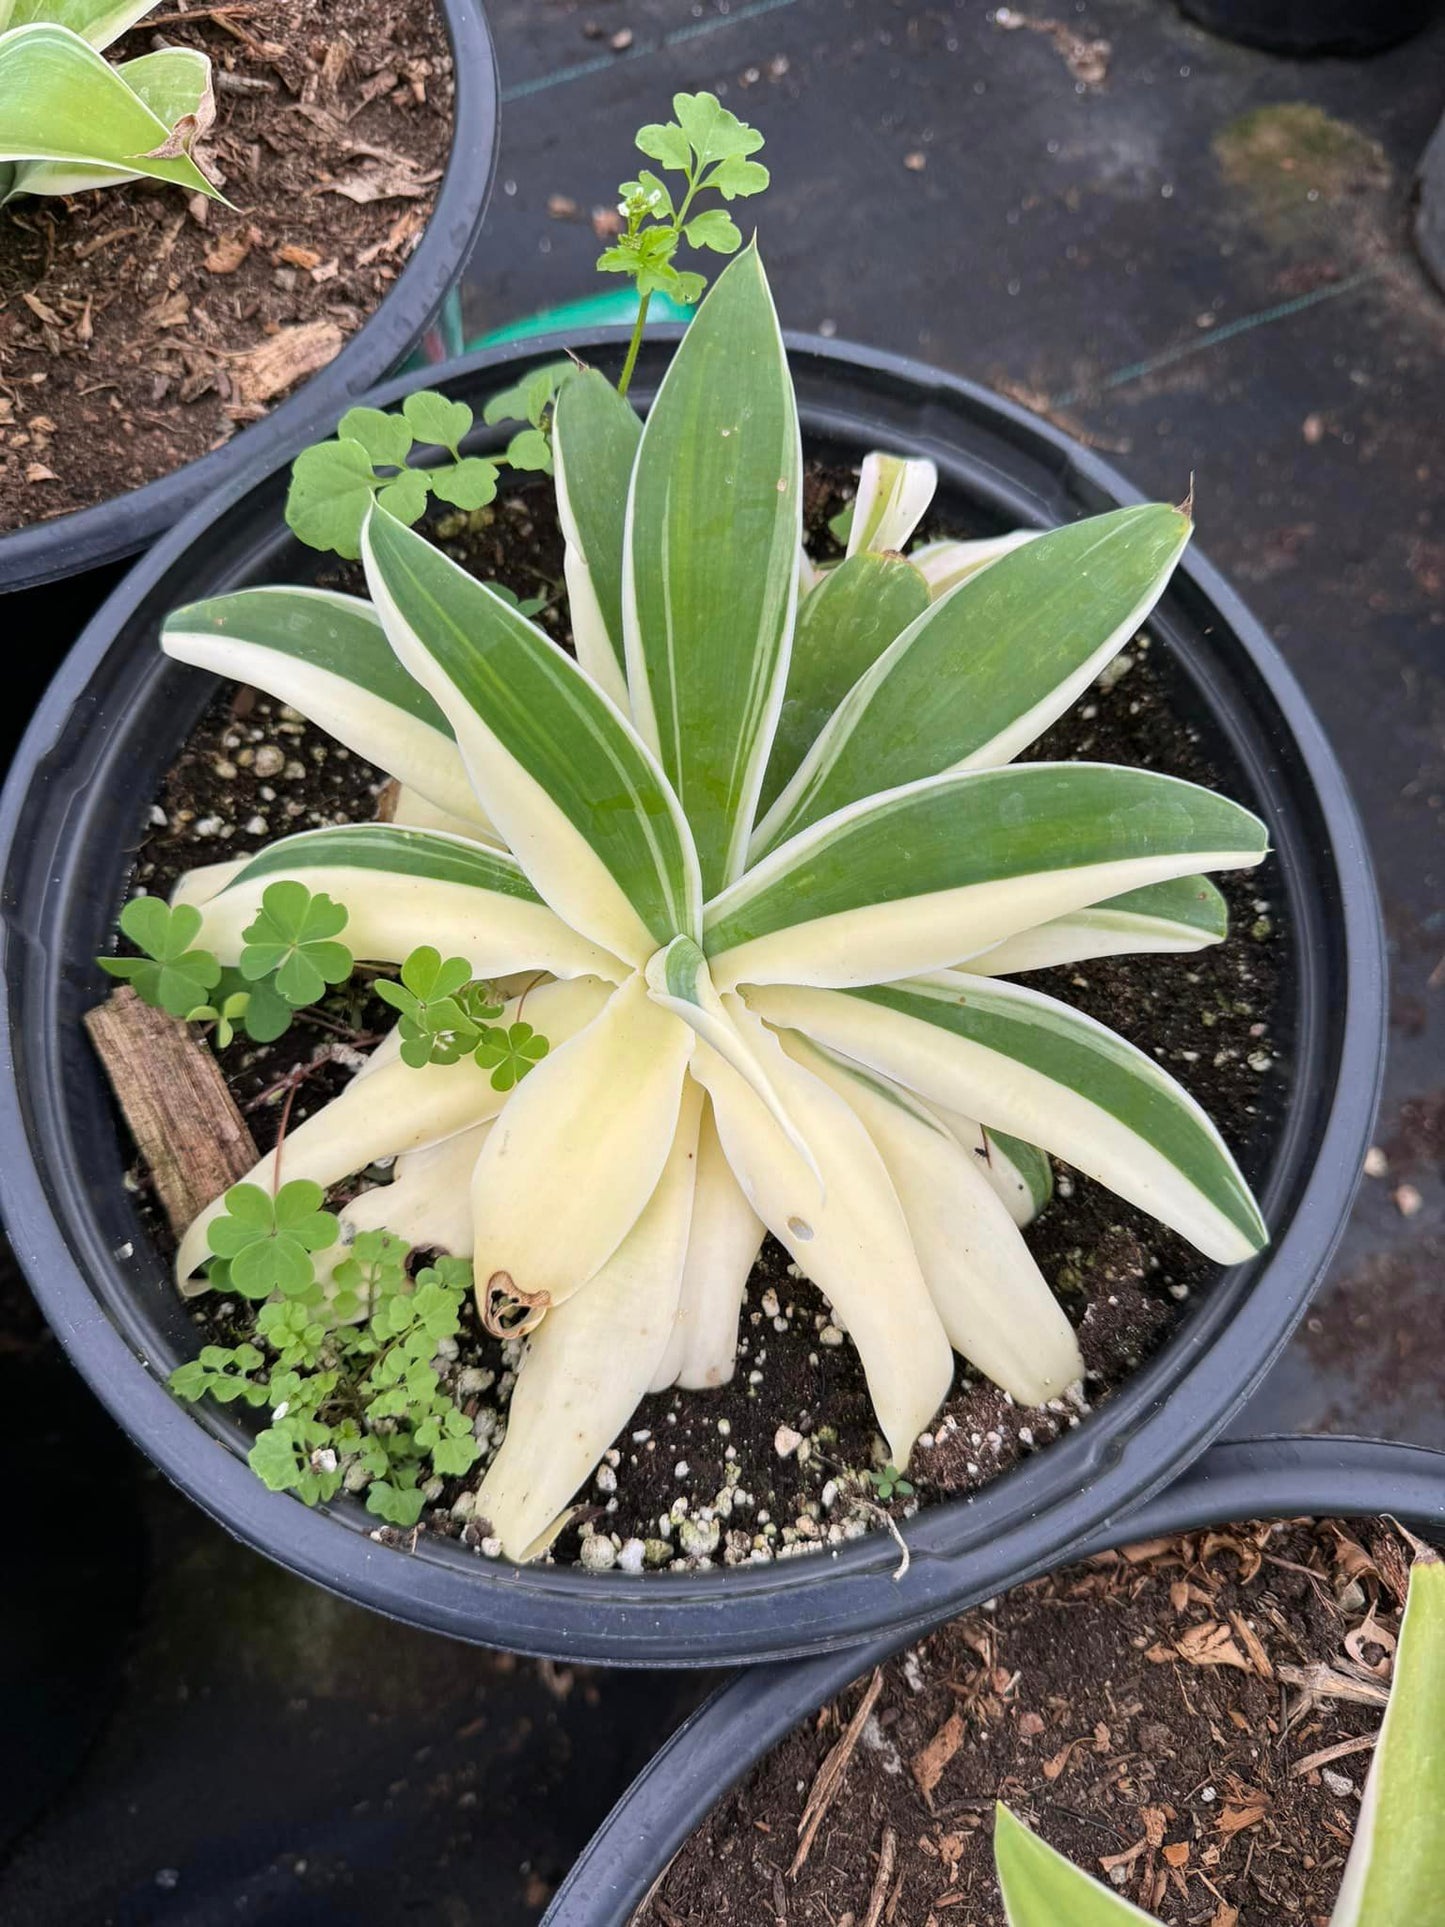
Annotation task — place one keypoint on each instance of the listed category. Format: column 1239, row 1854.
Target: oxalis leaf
column 267, row 1241
column 510, row 1053
column 171, row 975
column 292, row 940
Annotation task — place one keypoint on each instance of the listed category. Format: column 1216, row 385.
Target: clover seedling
column 171, row 975
column 333, row 484
column 292, row 940
column 266, row 1243
column 709, row 147
column 888, row 1482
column 510, row 1053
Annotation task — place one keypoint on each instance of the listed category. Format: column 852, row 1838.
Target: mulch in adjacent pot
column 777, row 1463
column 1190, row 1718
column 141, row 327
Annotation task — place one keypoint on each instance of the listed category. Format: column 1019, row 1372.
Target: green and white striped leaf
column 408, row 809
column 1187, row 913
column 1042, row 1889
column 1396, row 1869
column 843, row 627
column 678, row 980
column 403, row 887
column 571, row 789
column 98, row 22
column 595, row 432
column 723, row 1243
column 893, row 497
column 854, row 1244
column 327, row 655
column 988, row 667
column 393, row 1109
column 714, row 521
column 1026, row 1064
column 994, row 1302
column 943, row 565
column 1020, row 1173
column 578, row 1152
column 908, row 881
column 590, row 1361
column 64, row 107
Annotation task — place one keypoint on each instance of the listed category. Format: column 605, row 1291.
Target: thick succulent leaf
column 589, row 1363
column 713, row 526
column 854, row 1244
column 892, row 499
column 408, row 809
column 428, row 1202
column 578, row 1152
column 1396, row 1869
column 98, row 22
column 1042, row 1889
column 403, row 887
column 1021, row 1174
column 993, row 1300
column 595, row 432
column 988, row 667
column 723, row 1243
column 1187, row 913
column 678, row 980
column 843, row 627
column 1024, row 1063
column 943, row 565
column 64, row 105
column 910, row 880
column 327, row 655
column 391, row 1109
column 569, row 786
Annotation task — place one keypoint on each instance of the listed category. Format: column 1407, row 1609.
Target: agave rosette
column 765, row 841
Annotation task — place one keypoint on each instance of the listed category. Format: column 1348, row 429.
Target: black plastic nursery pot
column 83, row 543
column 96, row 753
column 1313, row 26
column 1267, row 1478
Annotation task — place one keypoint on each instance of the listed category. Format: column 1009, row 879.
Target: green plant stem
column 624, row 380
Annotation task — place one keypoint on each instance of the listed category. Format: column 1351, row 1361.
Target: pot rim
column 107, row 531
column 1125, row 1454
column 1280, row 1476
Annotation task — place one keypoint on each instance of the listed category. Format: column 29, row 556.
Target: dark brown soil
column 1142, row 1712
column 140, row 327
column 696, row 1476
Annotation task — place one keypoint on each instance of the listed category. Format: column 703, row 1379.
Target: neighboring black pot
column 88, row 539
column 70, row 820
column 1274, row 1478
column 1314, row 26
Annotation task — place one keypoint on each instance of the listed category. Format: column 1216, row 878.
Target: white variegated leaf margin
column 572, row 790
column 907, row 881
column 326, row 654
column 399, row 884
column 894, row 492
column 1183, row 915
column 1029, row 1065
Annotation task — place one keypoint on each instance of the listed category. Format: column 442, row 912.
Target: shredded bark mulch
column 141, row 327
column 1190, row 1719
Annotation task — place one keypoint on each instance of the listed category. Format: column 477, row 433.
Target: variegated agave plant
column 767, row 843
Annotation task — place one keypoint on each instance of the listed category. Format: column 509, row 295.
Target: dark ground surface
column 1195, row 292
